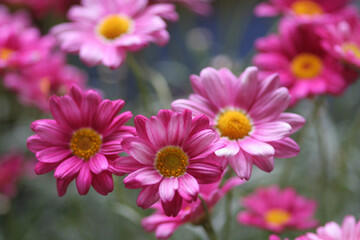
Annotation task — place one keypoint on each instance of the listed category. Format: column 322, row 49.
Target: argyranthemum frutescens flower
column 103, row 31
column 82, row 142
column 171, row 155
column 249, row 116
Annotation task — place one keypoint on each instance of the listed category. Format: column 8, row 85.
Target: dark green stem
column 206, row 224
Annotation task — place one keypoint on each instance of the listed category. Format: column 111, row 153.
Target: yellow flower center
column 45, row 85
column 306, row 65
column 85, row 143
column 277, row 217
column 307, row 7
column 5, row 53
column 171, row 161
column 114, row 26
column 351, row 48
column 234, row 124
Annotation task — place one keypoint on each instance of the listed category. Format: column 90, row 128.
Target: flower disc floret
column 307, row 7
column 85, row 143
column 114, row 26
column 277, row 217
column 171, row 161
column 234, row 124
column 306, row 66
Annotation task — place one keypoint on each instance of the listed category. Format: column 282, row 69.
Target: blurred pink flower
column 194, row 213
column 19, row 19
column 249, row 116
column 11, row 167
column 305, row 10
column 83, row 141
column 278, row 210
column 350, row 230
column 305, row 68
column 51, row 76
column 202, row 7
column 343, row 39
column 170, row 156
column 104, row 31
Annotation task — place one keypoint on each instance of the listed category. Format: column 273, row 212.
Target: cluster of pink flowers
column 29, row 64
column 314, row 36
column 11, row 169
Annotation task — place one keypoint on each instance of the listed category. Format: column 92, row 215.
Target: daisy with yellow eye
column 82, row 142
column 306, row 10
column 248, row 116
column 304, row 66
column 278, row 210
column 171, row 154
column 103, row 31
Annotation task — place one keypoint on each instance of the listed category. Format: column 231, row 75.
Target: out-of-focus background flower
column 327, row 169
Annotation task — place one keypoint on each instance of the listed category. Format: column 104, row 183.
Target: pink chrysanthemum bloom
column 18, row 19
column 51, row 76
column 201, row 7
column 82, row 142
column 305, row 10
column 350, row 230
column 165, row 226
column 248, row 115
column 170, row 156
column 103, row 31
column 343, row 39
column 10, row 171
column 277, row 210
column 305, row 68
column 22, row 46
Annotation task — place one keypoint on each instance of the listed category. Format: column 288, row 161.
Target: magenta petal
column 296, row 121
column 265, row 163
column 53, row 154
column 83, row 180
column 142, row 177
column 231, row 149
column 68, row 167
column 257, row 148
column 98, row 163
column 188, row 187
column 248, row 88
column 36, row 144
column 62, row 185
column 271, row 131
column 142, row 153
column 286, row 148
column 200, row 142
column 266, row 10
column 205, row 173
column 172, row 208
column 123, row 165
column 167, row 189
column 42, row 168
column 242, row 165
column 103, row 183
column 155, row 130
column 148, row 196
column 164, row 231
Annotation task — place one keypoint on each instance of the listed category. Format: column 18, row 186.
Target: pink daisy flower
column 343, row 39
column 201, row 7
column 51, row 76
column 103, row 31
column 22, row 46
column 82, row 142
column 305, row 10
column 350, row 230
column 277, row 210
column 10, row 171
column 165, row 226
column 170, row 156
column 305, row 68
column 248, row 115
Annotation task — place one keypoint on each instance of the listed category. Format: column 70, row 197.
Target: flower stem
column 138, row 72
column 228, row 216
column 206, row 224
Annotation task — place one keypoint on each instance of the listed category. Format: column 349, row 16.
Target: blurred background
column 327, row 170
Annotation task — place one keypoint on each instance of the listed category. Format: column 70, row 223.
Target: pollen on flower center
column 277, row 217
column 85, row 143
column 306, row 65
column 307, row 7
column 114, row 26
column 171, row 161
column 5, row 53
column 351, row 48
column 234, row 124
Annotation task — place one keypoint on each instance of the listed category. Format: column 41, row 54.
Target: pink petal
column 62, row 184
column 188, row 187
column 98, row 163
column 35, row 144
column 257, row 148
column 271, row 131
column 103, row 183
column 42, row 168
column 83, row 180
column 172, row 208
column 164, row 231
column 266, row 10
column 156, row 132
column 204, row 173
column 167, row 189
column 248, row 88
column 286, row 148
column 142, row 177
column 242, row 165
column 148, row 196
column 123, row 165
column 69, row 167
column 265, row 163
column 231, row 149
column 53, row 154
column 296, row 121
